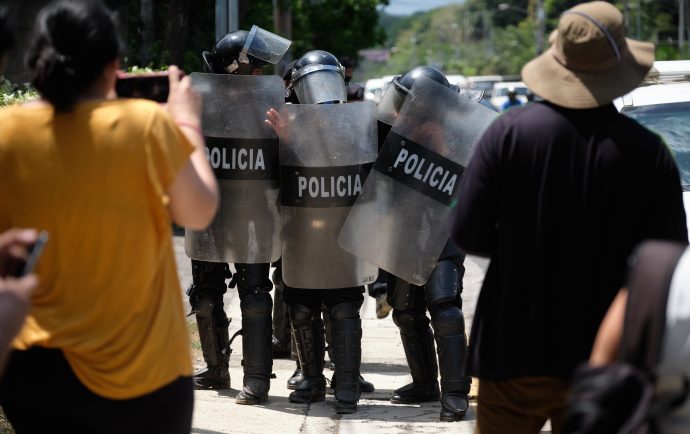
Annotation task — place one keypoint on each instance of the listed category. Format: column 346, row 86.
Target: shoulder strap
column 651, row 270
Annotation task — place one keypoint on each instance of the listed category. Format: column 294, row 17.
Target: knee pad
column 405, row 319
column 256, row 305
column 448, row 320
column 400, row 294
column 343, row 311
column 205, row 308
column 300, row 315
column 442, row 286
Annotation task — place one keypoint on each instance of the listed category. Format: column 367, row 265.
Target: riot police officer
column 440, row 296
column 355, row 91
column 229, row 56
column 318, row 78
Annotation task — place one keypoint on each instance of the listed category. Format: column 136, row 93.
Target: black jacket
column 558, row 199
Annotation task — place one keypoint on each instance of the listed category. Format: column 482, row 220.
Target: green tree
column 342, row 27
column 479, row 37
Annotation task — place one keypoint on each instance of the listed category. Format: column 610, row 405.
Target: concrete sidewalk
column 383, row 363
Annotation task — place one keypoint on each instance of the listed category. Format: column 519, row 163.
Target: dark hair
column 72, row 42
column 6, row 34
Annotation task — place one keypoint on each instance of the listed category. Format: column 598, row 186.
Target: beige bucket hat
column 590, row 61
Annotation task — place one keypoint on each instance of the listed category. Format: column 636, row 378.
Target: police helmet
column 225, row 56
column 392, row 100
column 317, row 78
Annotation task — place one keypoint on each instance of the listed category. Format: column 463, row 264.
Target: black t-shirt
column 558, row 199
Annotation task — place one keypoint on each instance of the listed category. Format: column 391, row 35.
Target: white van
column 662, row 104
column 373, row 90
column 499, row 94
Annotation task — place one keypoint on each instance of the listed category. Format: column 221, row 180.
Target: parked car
column 483, row 82
column 387, row 80
column 373, row 90
column 662, row 104
column 499, row 94
column 458, row 80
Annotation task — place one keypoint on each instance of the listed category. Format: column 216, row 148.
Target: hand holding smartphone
column 20, row 250
column 149, row 85
column 16, row 247
column 35, row 252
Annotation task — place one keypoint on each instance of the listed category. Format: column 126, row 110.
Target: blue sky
column 407, row 7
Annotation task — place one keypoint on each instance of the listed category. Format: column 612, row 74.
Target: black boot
column 281, row 321
column 443, row 296
column 418, row 342
column 206, row 299
column 256, row 306
column 308, row 336
column 213, row 336
column 347, row 352
column 296, row 378
column 364, row 385
column 257, row 361
column 452, row 354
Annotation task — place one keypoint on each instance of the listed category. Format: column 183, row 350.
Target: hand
column 276, row 123
column 14, row 306
column 184, row 103
column 14, row 249
column 15, row 293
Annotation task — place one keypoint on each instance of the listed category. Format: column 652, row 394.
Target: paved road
column 383, row 363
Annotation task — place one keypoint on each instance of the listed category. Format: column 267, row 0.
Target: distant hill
column 479, row 37
column 457, row 39
column 394, row 24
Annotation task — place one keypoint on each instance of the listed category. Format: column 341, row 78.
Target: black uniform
column 252, row 281
column 440, row 296
column 342, row 304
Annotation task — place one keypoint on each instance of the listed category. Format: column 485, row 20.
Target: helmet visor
column 264, row 45
column 390, row 105
column 320, row 87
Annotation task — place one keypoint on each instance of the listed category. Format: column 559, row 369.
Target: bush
column 11, row 93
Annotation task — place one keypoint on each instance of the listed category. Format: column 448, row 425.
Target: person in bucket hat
column 557, row 194
column 590, row 61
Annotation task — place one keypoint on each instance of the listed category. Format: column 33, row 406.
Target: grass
column 197, row 355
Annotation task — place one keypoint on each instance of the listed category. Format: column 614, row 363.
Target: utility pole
column 282, row 23
column 639, row 19
column 486, row 34
column 681, row 26
column 227, row 17
column 146, row 11
column 686, row 27
column 626, row 16
column 540, row 27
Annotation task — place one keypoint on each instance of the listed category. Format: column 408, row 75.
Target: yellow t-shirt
column 109, row 295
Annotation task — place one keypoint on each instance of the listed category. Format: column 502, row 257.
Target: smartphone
column 34, row 254
column 151, row 85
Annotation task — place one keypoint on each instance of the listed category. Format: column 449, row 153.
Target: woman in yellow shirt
column 105, row 346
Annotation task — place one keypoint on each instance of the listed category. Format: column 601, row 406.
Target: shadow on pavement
column 383, row 368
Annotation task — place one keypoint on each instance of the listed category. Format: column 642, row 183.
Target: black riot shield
column 326, row 152
column 243, row 153
column 400, row 221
